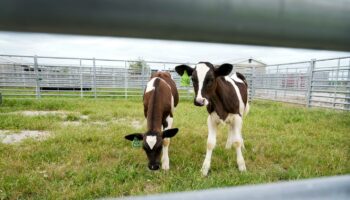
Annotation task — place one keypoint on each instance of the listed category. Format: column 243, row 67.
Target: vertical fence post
column 347, row 89
column 81, row 79
column 126, row 81
column 253, row 82
column 37, row 78
column 142, row 75
column 277, row 81
column 94, row 77
column 310, row 80
column 113, row 78
column 285, row 82
column 336, row 84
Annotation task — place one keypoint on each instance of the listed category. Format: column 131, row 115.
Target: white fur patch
column 151, row 141
column 150, row 85
column 241, row 104
column 214, row 117
column 202, row 70
column 169, row 120
column 235, row 78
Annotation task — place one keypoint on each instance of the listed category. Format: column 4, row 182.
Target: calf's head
column 153, row 144
column 204, row 79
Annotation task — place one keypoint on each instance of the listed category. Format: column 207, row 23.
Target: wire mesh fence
column 315, row 83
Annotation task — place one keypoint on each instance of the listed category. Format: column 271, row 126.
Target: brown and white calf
column 226, row 101
column 159, row 100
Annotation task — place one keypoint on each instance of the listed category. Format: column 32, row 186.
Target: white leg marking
column 235, row 138
column 230, row 120
column 246, row 110
column 165, row 155
column 166, row 143
column 212, row 129
column 230, row 136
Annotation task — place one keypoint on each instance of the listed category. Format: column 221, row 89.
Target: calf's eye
column 209, row 82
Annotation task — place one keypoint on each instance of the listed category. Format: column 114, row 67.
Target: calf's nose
column 153, row 166
column 199, row 101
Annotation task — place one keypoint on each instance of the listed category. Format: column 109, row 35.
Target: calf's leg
column 166, row 143
column 235, row 136
column 211, row 142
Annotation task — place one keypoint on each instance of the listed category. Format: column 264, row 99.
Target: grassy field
column 88, row 157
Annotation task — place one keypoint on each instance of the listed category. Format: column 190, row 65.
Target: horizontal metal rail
column 277, row 88
column 90, row 59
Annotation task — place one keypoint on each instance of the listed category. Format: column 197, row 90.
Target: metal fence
column 37, row 77
column 315, row 83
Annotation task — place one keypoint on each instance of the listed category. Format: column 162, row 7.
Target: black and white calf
column 226, row 101
column 159, row 100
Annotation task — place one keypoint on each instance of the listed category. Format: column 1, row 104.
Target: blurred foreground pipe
column 335, row 188
column 321, row 24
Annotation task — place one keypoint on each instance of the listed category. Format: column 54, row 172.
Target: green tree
column 139, row 66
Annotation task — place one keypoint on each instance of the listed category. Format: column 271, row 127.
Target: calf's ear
column 182, row 68
column 170, row 133
column 131, row 137
column 223, row 70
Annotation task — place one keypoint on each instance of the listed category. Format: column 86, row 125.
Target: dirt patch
column 8, row 137
column 71, row 123
column 63, row 114
column 33, row 113
column 101, row 123
column 137, row 124
column 84, row 117
column 78, row 123
column 150, row 188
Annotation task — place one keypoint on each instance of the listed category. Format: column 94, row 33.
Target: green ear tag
column 136, row 143
column 185, row 79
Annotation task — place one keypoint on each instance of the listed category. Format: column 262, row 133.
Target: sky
column 43, row 44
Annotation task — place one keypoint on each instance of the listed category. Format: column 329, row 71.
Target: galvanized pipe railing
column 313, row 83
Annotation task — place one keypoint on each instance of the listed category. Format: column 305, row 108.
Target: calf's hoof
column 241, row 165
column 165, row 166
column 228, row 146
column 205, row 169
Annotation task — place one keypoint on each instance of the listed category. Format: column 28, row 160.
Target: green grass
column 283, row 142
